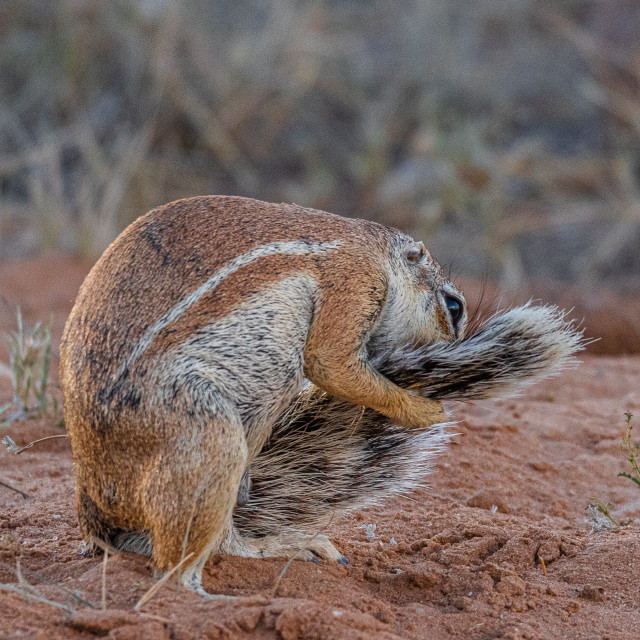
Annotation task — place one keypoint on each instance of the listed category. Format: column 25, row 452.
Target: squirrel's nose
column 455, row 306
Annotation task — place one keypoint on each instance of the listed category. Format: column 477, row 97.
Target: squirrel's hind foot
column 193, row 582
column 309, row 548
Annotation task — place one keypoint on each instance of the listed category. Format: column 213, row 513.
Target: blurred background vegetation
column 505, row 133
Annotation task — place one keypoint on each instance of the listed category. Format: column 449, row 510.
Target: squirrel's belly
column 253, row 357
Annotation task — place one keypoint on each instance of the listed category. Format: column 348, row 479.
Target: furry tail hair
column 509, row 352
column 326, row 457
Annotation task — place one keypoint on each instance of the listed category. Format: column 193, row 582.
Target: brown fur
column 161, row 440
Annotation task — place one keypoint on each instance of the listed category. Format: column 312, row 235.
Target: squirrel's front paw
column 422, row 413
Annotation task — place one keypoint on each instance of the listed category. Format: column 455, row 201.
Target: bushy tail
column 510, row 352
column 326, row 456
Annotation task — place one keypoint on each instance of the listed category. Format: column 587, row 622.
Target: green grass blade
column 25, row 401
column 45, row 374
column 626, row 475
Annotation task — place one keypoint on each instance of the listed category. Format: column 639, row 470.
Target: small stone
column 541, row 465
column 590, row 592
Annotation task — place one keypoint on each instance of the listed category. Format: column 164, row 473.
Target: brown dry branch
column 103, row 598
column 14, row 448
column 35, row 575
column 26, row 594
column 105, row 546
column 186, row 536
column 29, row 592
column 21, row 581
column 8, row 486
column 284, row 570
column 296, row 555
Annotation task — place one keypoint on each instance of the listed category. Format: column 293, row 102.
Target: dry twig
column 155, row 587
column 8, row 486
column 14, row 448
column 297, row 554
column 104, row 579
column 25, row 594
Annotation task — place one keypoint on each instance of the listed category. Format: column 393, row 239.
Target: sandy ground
column 498, row 547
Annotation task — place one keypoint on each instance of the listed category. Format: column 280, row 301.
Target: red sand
column 458, row 570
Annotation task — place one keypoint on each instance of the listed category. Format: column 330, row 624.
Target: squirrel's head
column 422, row 305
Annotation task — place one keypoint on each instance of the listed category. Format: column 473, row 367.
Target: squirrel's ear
column 416, row 253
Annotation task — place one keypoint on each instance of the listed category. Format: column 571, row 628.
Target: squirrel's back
column 168, row 254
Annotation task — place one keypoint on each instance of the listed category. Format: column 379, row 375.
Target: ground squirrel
column 234, row 370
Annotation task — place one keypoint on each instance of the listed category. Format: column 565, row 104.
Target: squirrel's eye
column 454, row 307
column 416, row 253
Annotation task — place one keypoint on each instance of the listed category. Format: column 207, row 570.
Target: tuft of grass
column 467, row 123
column 369, row 531
column 30, row 359
column 600, row 517
column 27, row 593
column 631, row 452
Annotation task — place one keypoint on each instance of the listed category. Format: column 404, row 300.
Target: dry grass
column 159, row 584
column 29, row 362
column 631, row 451
column 28, row 593
column 28, row 590
column 600, row 516
column 11, row 488
column 463, row 122
column 14, row 448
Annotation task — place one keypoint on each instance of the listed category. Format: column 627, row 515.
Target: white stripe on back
column 293, row 247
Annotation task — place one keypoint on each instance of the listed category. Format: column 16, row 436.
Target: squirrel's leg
column 300, row 546
column 358, row 382
column 92, row 521
column 336, row 361
column 189, row 495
